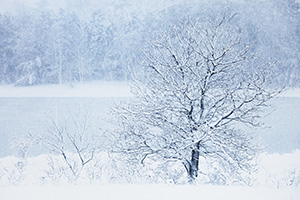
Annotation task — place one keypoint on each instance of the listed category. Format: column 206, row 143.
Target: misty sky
column 12, row 5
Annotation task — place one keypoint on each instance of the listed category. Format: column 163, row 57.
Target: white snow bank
column 273, row 169
column 90, row 89
column 145, row 192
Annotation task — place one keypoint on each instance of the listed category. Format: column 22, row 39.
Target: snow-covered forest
column 88, row 40
column 150, row 99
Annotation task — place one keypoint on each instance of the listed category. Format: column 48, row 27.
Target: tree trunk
column 192, row 166
column 80, row 71
column 60, row 71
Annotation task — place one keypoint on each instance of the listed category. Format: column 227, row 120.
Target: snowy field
column 277, row 178
column 146, row 192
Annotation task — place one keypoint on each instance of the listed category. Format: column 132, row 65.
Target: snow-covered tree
column 201, row 81
column 27, row 72
column 82, row 41
column 7, row 48
column 61, row 68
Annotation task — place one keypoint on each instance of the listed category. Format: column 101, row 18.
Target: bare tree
column 73, row 140
column 200, row 81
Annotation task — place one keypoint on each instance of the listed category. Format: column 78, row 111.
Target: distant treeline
column 42, row 46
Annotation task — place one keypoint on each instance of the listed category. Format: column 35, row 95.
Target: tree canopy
column 200, row 82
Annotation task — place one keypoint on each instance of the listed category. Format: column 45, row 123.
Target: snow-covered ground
column 273, row 171
column 278, row 170
column 146, row 192
column 278, row 178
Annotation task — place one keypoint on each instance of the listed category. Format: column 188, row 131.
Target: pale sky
column 13, row 5
column 141, row 6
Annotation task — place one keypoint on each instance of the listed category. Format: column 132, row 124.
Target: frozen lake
column 283, row 136
column 20, row 115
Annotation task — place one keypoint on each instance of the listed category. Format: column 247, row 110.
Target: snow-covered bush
column 73, row 141
column 54, row 171
column 274, row 171
column 279, row 171
column 13, row 171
